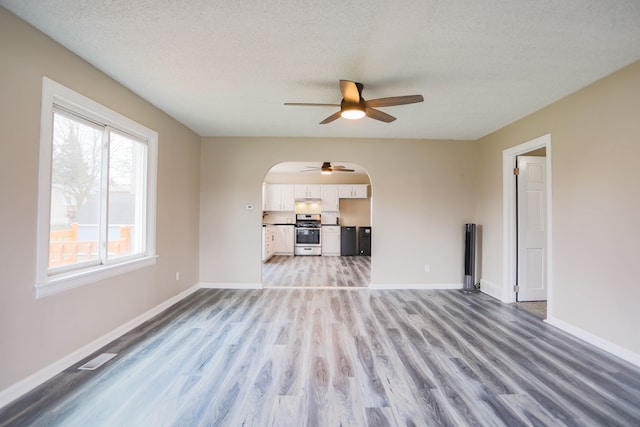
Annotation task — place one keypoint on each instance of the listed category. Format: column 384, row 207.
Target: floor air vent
column 97, row 361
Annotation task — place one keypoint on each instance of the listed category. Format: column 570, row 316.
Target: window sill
column 55, row 285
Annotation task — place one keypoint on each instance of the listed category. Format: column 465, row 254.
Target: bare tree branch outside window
column 76, row 161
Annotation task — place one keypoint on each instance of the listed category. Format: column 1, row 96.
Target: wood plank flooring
column 317, row 271
column 338, row 357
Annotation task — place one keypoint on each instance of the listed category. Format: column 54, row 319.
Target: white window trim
column 46, row 284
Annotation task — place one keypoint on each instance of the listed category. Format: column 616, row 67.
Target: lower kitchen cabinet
column 283, row 239
column 268, row 242
column 330, row 240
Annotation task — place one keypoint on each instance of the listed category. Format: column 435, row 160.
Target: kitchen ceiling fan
column 354, row 106
column 327, row 169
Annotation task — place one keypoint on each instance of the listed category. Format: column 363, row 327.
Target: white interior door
column 532, row 232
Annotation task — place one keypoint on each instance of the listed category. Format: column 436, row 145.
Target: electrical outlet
column 177, row 275
column 427, row 268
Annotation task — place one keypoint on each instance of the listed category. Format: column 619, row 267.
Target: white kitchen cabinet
column 271, row 197
column 268, row 242
column 330, row 240
column 352, row 191
column 360, row 191
column 284, row 239
column 330, row 199
column 278, row 197
column 307, row 191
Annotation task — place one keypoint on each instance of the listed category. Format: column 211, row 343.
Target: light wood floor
column 317, row 271
column 337, row 357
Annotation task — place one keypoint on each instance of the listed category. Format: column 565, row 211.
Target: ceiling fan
column 354, row 106
column 327, row 169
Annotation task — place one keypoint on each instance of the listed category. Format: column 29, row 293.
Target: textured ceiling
column 225, row 68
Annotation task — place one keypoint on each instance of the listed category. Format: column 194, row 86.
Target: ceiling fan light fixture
column 353, row 106
column 325, row 169
column 352, row 110
column 352, row 113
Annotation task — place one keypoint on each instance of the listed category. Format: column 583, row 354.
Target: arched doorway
column 316, row 225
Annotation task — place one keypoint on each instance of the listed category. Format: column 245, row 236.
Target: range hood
column 308, row 206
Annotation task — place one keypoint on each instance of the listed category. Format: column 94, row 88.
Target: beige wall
column 355, row 212
column 423, row 193
column 418, row 208
column 36, row 333
column 595, row 135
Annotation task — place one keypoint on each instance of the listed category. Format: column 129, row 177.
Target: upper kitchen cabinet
column 278, row 197
column 352, row 191
column 307, row 191
column 330, row 199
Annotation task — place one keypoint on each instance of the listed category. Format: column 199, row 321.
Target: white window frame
column 52, row 282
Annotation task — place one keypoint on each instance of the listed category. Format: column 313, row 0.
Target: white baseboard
column 601, row 343
column 223, row 285
column 491, row 289
column 248, row 285
column 13, row 392
column 495, row 291
column 424, row 286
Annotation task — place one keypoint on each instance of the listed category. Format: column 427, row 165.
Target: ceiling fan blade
column 350, row 91
column 379, row 115
column 310, row 104
column 331, row 118
column 341, row 169
column 394, row 100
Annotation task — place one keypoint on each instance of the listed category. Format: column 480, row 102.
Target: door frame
column 509, row 220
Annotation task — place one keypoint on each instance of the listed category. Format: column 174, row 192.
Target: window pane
column 75, row 188
column 127, row 196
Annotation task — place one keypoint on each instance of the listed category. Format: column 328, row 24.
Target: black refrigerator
column 364, row 241
column 348, row 245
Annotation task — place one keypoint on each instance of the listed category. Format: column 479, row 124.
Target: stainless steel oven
column 308, row 235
